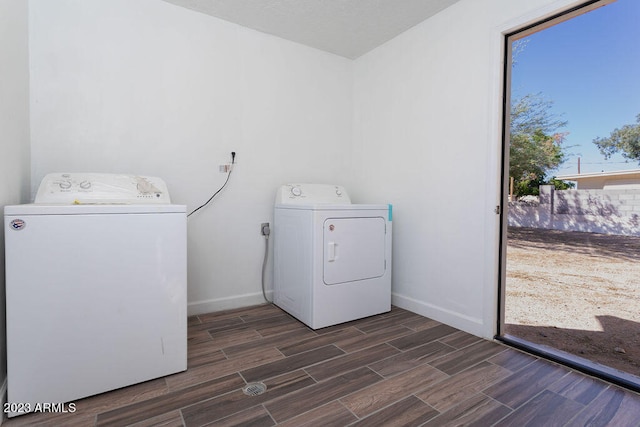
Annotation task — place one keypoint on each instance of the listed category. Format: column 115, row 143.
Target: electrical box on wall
column 226, row 168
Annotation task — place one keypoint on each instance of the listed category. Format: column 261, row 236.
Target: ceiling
column 348, row 28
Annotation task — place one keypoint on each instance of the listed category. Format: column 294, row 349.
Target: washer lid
column 91, row 209
column 101, row 188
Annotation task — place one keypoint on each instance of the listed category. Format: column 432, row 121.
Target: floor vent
column 254, row 389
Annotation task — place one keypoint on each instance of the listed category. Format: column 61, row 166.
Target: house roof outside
column 615, row 180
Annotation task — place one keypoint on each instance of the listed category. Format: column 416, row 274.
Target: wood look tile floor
column 394, row 369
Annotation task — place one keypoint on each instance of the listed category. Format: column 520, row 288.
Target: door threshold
column 606, row 373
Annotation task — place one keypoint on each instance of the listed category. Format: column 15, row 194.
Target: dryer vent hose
column 264, row 263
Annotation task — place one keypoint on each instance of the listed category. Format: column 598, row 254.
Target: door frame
column 572, row 361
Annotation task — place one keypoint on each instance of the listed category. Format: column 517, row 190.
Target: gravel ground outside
column 577, row 292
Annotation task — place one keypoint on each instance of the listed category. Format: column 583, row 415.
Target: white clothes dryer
column 332, row 258
column 96, row 288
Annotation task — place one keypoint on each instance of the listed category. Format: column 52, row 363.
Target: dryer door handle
column 332, row 251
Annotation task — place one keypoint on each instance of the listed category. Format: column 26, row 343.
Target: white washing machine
column 332, row 259
column 96, row 288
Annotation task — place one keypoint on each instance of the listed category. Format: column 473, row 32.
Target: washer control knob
column 85, row 185
column 296, row 191
column 65, row 185
column 144, row 186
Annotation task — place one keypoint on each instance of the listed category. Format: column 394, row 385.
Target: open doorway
column 570, row 283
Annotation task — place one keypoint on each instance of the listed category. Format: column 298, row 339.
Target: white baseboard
column 460, row 321
column 228, row 303
column 463, row 322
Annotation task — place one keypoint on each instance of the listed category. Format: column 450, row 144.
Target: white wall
column 146, row 87
column 427, row 139
column 14, row 128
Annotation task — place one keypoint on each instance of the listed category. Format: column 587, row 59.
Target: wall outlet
column 264, row 229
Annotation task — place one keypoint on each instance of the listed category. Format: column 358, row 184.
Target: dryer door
column 354, row 249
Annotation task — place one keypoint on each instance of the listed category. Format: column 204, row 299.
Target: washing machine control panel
column 312, row 194
column 101, row 188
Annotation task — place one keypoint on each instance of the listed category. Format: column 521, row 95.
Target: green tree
column 625, row 140
column 535, row 143
column 532, row 186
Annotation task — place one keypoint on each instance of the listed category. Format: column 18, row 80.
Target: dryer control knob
column 65, row 184
column 296, row 191
column 85, row 185
column 338, row 192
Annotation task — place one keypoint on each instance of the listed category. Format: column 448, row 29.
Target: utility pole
column 511, row 189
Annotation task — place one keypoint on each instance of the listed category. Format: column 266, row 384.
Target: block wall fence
column 593, row 211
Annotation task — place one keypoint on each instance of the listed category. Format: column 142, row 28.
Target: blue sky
column 589, row 67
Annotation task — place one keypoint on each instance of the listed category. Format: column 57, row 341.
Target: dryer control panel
column 312, row 194
column 101, row 188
